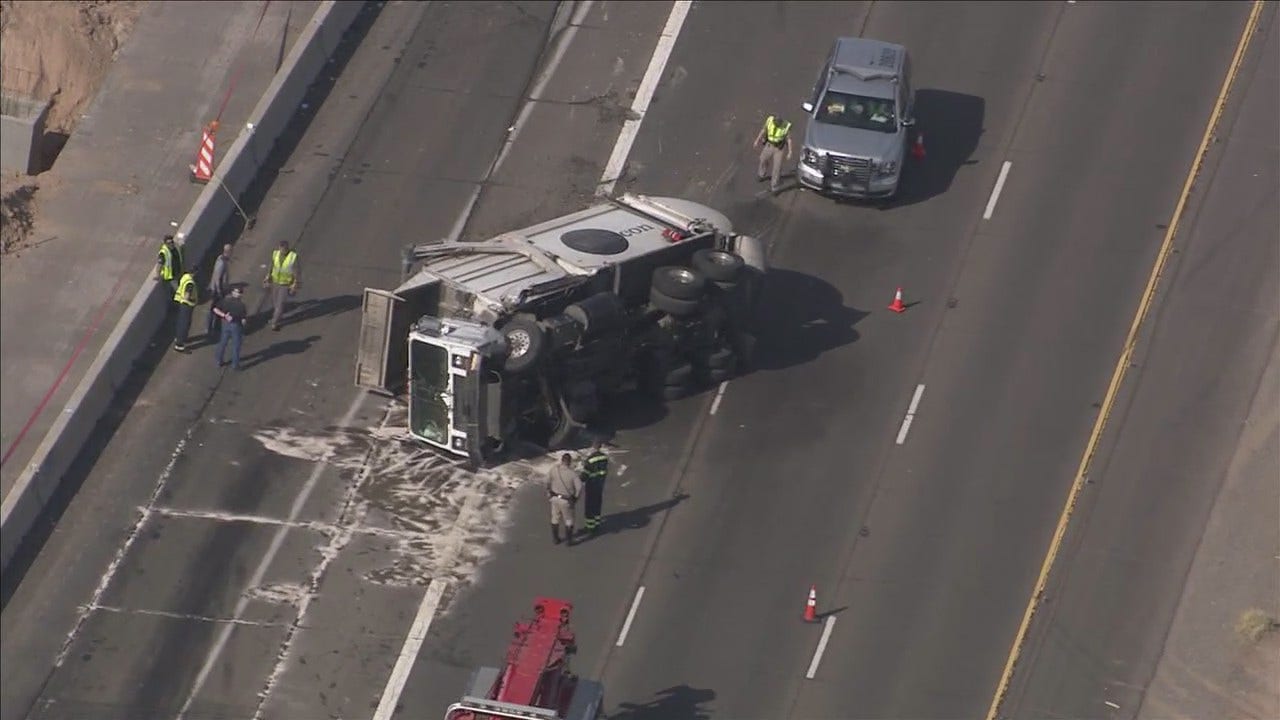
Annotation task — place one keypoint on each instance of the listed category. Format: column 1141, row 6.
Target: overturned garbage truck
column 526, row 336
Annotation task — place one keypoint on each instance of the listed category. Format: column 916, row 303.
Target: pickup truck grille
column 850, row 169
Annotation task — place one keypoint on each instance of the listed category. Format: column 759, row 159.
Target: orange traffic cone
column 897, row 305
column 811, row 607
column 917, row 150
column 202, row 171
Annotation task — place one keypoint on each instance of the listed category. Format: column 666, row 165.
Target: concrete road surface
column 245, row 546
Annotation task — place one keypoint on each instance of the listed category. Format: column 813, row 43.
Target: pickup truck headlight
column 889, row 167
column 809, row 157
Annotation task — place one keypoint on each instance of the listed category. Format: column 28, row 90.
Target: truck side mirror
column 807, row 106
column 908, row 122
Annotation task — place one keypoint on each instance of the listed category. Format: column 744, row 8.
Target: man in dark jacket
column 595, row 470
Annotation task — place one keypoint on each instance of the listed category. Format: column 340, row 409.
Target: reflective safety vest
column 186, row 293
column 596, row 466
column 282, row 268
column 170, row 261
column 776, row 132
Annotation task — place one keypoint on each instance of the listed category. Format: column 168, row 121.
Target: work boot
column 555, row 533
column 568, row 535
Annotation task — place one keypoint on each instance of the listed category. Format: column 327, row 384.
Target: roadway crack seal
column 85, row 611
column 1122, row 364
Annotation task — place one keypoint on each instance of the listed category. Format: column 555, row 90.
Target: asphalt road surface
column 244, row 544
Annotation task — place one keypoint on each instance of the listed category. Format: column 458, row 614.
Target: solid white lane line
column 822, row 647
column 409, row 652
column 911, row 414
column 915, row 400
column 995, row 194
column 224, row 632
column 644, row 95
column 631, row 615
column 715, row 404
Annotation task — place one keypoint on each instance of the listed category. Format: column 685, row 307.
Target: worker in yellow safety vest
column 282, row 280
column 186, row 298
column 773, row 136
column 169, row 262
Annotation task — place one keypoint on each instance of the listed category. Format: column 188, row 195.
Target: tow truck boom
column 535, row 683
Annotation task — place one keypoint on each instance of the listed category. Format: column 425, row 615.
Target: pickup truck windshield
column 428, row 384
column 856, row 111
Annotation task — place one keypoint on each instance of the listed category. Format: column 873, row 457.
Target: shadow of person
column 681, row 701
column 635, row 518
column 280, row 349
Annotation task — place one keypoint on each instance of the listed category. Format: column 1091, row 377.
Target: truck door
column 382, row 355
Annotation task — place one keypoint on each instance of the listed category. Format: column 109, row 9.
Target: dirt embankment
column 60, row 51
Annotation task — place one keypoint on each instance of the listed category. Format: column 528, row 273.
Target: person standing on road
column 219, row 285
column 563, row 488
column 186, row 298
column 232, row 312
column 282, row 280
column 169, row 263
column 773, row 136
column 595, row 469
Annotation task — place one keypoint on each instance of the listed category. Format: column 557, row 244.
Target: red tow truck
column 535, row 683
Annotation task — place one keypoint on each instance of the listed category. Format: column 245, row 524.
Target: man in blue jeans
column 232, row 312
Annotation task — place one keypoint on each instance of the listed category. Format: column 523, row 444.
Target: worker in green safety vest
column 773, row 136
column 186, row 298
column 169, row 262
column 282, row 280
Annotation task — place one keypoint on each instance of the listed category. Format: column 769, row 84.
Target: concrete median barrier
column 40, row 480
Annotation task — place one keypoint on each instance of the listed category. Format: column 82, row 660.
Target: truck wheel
column 679, row 283
column 718, row 265
column 674, row 392
column 721, row 359
column 674, row 307
column 726, row 288
column 525, row 340
column 719, row 375
column 678, row 375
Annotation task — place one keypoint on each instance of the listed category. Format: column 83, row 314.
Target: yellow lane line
column 1117, row 377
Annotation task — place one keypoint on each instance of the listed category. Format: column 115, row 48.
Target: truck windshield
column 856, row 111
column 428, row 387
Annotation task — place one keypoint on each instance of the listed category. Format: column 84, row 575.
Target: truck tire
column 722, row 359
column 719, row 375
column 678, row 375
column 597, row 314
column 674, row 392
column 679, row 283
column 525, row 342
column 674, row 307
column 717, row 265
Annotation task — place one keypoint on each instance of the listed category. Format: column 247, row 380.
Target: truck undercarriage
column 528, row 336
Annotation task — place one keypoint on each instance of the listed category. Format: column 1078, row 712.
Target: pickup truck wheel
column 679, row 283
column 674, row 307
column 525, row 341
column 718, row 265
